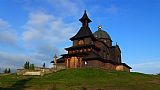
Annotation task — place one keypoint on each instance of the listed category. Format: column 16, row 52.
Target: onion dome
column 101, row 34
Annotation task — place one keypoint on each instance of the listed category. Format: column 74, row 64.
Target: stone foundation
column 122, row 68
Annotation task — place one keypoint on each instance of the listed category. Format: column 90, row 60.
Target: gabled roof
column 84, row 30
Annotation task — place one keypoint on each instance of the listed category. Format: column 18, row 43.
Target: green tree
column 9, row 70
column 26, row 65
column 5, row 71
column 44, row 65
column 31, row 67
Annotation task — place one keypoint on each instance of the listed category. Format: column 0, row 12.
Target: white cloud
column 4, row 25
column 46, row 34
column 4, row 56
column 67, row 7
column 151, row 64
column 43, row 33
column 147, row 66
column 45, row 27
column 6, row 34
column 8, row 37
column 11, row 60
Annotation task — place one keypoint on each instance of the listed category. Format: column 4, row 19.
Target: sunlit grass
column 84, row 78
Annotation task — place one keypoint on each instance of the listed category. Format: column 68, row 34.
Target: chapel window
column 80, row 42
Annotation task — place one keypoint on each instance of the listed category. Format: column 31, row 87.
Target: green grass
column 82, row 79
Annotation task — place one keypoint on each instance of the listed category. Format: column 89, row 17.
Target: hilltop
column 82, row 79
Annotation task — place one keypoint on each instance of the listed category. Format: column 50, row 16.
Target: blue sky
column 34, row 30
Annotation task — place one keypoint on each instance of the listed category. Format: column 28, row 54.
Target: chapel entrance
column 73, row 62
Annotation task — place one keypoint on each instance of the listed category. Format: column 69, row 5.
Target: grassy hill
column 82, row 79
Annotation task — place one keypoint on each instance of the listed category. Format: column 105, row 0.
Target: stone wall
column 60, row 66
column 36, row 72
column 122, row 68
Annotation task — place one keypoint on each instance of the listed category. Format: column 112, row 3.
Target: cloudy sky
column 34, row 30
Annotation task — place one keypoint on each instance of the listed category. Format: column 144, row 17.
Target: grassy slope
column 82, row 79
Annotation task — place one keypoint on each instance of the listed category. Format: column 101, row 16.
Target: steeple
column 85, row 20
column 84, row 30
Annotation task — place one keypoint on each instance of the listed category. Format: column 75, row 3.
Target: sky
column 34, row 30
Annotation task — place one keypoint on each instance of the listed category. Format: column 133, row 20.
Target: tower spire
column 85, row 20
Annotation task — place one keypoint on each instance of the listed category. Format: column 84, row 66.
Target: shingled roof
column 85, row 17
column 84, row 30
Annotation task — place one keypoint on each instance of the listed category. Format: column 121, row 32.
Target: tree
column 9, row 70
column 31, row 67
column 5, row 71
column 44, row 65
column 26, row 65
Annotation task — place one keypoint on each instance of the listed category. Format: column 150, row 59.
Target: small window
column 80, row 42
column 85, row 62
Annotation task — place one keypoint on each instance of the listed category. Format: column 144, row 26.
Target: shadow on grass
column 19, row 85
